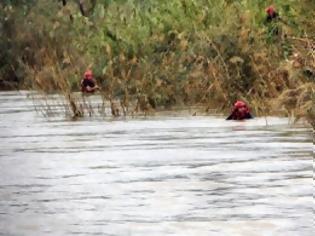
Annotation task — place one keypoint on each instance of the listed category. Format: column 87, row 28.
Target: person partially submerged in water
column 88, row 83
column 240, row 111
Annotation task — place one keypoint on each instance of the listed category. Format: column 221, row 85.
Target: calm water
column 179, row 176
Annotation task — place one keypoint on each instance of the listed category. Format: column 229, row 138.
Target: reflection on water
column 158, row 176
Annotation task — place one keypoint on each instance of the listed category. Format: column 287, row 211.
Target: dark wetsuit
column 272, row 16
column 239, row 116
column 85, row 83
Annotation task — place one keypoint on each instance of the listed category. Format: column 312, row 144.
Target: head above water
column 240, row 111
column 88, row 74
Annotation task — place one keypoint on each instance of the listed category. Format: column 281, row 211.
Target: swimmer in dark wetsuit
column 240, row 111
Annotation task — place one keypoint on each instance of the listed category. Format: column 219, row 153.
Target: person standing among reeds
column 272, row 14
column 88, row 83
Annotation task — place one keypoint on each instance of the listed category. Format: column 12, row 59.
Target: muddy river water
column 156, row 176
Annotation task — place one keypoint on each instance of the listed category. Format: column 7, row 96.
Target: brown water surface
column 162, row 175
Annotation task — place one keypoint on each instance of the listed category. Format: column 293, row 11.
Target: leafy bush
column 208, row 52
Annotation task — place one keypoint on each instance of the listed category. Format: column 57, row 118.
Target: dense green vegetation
column 178, row 52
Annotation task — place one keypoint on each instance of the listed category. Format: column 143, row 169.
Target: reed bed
column 149, row 55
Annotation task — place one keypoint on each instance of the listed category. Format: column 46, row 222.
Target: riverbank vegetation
column 165, row 53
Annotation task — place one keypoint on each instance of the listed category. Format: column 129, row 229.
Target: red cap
column 88, row 74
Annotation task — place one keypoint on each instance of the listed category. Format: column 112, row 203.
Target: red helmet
column 239, row 104
column 271, row 10
column 88, row 74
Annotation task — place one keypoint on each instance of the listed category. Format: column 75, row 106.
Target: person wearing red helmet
column 240, row 111
column 88, row 83
column 272, row 14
